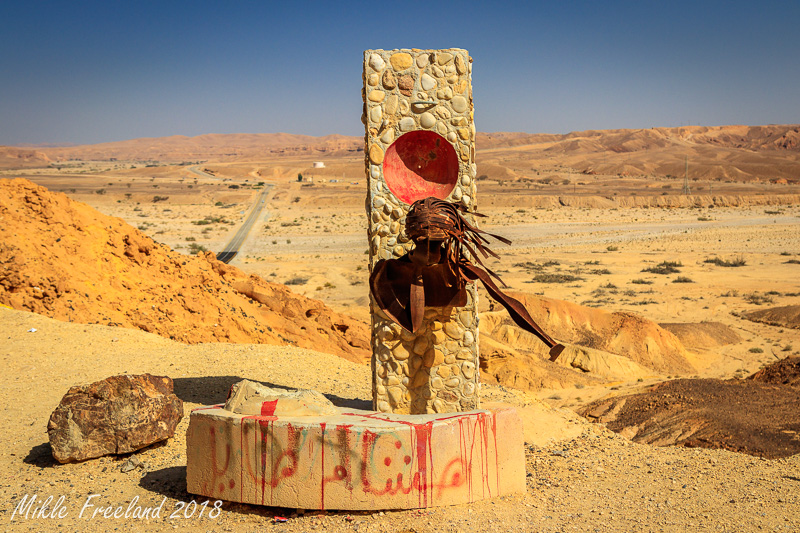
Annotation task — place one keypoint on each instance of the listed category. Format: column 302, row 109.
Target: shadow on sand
column 210, row 390
column 41, row 456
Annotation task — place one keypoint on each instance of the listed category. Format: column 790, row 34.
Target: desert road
column 232, row 248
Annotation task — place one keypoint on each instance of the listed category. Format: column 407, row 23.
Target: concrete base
column 356, row 460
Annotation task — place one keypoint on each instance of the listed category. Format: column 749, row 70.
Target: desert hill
column 754, row 138
column 721, row 153
column 213, row 146
column 787, row 316
column 602, row 346
column 63, row 259
column 16, row 158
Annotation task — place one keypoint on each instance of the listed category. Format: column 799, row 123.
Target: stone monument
column 420, row 142
column 296, row 449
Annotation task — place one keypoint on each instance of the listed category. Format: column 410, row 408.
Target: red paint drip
column 242, row 460
column 496, row 453
column 322, row 484
column 268, row 408
column 344, row 470
column 216, row 471
column 422, row 435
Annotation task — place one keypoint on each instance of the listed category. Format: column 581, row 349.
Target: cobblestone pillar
column 420, row 142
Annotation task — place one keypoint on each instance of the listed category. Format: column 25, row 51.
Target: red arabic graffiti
column 376, row 463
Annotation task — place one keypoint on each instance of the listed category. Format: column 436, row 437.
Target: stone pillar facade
column 420, row 142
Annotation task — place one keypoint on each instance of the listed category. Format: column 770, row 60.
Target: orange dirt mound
column 63, row 259
column 702, row 335
column 631, row 336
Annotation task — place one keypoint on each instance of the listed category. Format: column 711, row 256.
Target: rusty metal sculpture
column 435, row 272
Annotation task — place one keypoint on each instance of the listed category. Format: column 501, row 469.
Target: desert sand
column 583, row 237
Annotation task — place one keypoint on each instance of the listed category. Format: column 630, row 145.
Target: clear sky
column 93, row 71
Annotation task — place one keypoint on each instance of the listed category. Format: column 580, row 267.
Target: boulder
column 250, row 398
column 120, row 414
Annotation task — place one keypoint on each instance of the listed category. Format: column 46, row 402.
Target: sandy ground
column 580, row 476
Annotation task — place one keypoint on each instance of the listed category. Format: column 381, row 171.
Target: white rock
column 427, row 120
column 406, row 124
column 459, row 104
column 388, row 136
column 376, row 114
column 376, row 62
column 427, row 82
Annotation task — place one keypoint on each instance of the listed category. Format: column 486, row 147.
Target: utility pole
column 686, row 177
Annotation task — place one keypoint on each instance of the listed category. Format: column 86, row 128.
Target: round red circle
column 420, row 164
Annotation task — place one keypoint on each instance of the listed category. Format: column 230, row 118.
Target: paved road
column 232, row 248
column 194, row 169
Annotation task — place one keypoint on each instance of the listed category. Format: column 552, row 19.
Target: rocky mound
column 640, row 340
column 601, row 346
column 749, row 416
column 702, row 335
column 784, row 372
column 527, row 370
column 63, row 259
column 785, row 317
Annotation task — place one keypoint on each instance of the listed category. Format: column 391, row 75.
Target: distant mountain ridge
column 737, row 153
column 210, row 146
column 772, row 137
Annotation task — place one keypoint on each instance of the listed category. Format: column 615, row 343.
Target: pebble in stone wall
column 436, row 369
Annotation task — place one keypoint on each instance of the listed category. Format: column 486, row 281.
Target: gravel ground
column 597, row 481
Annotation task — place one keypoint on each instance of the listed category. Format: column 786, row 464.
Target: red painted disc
column 420, row 164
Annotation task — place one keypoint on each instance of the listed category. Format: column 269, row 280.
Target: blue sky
column 90, row 71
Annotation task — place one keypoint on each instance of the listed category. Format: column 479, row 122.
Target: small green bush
column 735, row 262
column 665, row 267
column 555, row 278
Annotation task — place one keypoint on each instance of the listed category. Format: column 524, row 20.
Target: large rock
column 120, row 414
